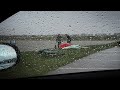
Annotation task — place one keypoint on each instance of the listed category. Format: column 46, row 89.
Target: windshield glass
column 59, row 42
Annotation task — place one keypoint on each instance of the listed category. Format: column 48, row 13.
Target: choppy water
column 35, row 45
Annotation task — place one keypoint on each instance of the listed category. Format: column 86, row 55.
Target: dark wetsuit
column 68, row 39
column 58, row 40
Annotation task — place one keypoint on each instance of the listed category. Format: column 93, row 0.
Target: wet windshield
column 59, row 42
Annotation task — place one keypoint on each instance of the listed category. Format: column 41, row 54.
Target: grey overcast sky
column 62, row 22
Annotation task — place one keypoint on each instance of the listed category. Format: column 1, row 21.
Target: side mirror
column 9, row 55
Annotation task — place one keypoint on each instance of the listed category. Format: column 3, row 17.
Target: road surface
column 108, row 59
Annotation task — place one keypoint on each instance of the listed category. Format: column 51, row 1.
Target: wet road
column 104, row 60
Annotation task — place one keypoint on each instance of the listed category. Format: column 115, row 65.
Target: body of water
column 35, row 45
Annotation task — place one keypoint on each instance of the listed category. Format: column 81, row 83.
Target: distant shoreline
column 76, row 37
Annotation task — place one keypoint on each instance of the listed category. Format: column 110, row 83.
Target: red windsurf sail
column 64, row 45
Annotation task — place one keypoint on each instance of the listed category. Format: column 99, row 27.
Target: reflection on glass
column 8, row 56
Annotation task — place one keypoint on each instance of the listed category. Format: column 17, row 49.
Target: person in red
column 62, row 45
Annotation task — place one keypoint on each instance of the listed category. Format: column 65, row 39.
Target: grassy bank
column 33, row 64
